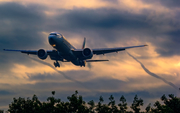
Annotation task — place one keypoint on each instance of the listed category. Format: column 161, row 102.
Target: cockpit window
column 53, row 34
column 56, row 34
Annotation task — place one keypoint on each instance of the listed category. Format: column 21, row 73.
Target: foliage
column 171, row 105
column 76, row 104
column 136, row 104
column 123, row 105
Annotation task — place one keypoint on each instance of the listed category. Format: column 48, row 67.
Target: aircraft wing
column 100, row 51
column 52, row 53
column 110, row 50
column 34, row 52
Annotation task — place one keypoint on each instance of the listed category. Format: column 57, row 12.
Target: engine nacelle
column 42, row 54
column 87, row 53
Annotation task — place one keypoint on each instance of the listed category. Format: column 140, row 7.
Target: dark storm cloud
column 98, row 19
column 112, row 24
column 20, row 29
column 25, row 14
column 5, row 92
column 165, row 3
column 21, row 24
column 162, row 20
column 171, row 44
column 102, row 25
column 171, row 3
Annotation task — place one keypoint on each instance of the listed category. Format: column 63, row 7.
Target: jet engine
column 42, row 54
column 87, row 53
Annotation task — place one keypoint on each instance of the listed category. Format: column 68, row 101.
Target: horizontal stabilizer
column 11, row 50
column 96, row 60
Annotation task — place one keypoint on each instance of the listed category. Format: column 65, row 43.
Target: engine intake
column 42, row 54
column 87, row 53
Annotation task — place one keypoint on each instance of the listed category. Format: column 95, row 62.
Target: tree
column 171, row 105
column 123, row 105
column 76, row 103
column 49, row 106
column 102, row 108
column 113, row 108
column 148, row 108
column 159, row 108
column 136, row 104
column 26, row 106
column 1, row 111
column 91, row 106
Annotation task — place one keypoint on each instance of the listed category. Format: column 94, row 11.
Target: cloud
column 154, row 75
column 62, row 73
column 170, row 3
column 111, row 19
column 113, row 26
column 5, row 92
column 22, row 27
column 26, row 25
column 21, row 24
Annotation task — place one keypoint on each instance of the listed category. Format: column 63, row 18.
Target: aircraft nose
column 51, row 39
column 51, row 36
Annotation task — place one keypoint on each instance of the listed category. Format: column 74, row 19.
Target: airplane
column 65, row 52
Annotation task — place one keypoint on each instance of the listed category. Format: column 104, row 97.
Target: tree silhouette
column 76, row 104
column 102, row 108
column 1, row 111
column 26, row 106
column 136, row 104
column 112, row 105
column 148, row 108
column 91, row 106
column 123, row 105
column 171, row 105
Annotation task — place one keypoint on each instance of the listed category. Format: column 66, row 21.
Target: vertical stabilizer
column 84, row 43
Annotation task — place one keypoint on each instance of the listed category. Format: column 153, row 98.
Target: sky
column 149, row 72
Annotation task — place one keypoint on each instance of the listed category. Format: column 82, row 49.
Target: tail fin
column 84, row 43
